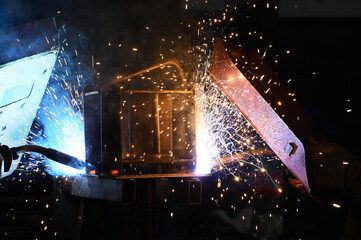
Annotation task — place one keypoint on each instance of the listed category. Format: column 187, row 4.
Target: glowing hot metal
column 257, row 111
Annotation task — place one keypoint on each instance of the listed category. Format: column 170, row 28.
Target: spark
column 59, row 121
column 336, row 205
column 226, row 141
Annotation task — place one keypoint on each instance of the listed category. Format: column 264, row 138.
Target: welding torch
column 7, row 155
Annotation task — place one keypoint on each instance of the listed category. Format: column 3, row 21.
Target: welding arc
column 52, row 154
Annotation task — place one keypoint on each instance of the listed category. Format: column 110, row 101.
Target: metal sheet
column 22, row 86
column 92, row 187
column 257, row 111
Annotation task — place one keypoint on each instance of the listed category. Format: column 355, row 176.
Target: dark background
column 323, row 64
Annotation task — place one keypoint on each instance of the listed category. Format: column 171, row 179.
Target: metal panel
column 92, row 187
column 257, row 111
column 22, row 86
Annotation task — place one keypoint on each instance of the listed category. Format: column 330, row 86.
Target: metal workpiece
column 137, row 129
column 93, row 187
column 27, row 56
column 257, row 111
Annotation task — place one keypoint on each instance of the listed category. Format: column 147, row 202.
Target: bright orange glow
column 114, row 172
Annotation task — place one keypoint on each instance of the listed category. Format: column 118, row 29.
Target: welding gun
column 7, row 155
